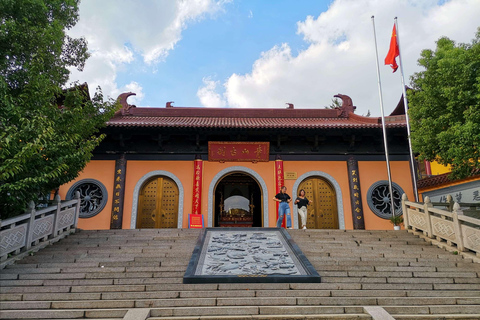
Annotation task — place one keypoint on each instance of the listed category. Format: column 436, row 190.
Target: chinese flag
column 393, row 52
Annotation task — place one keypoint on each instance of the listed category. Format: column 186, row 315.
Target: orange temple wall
column 370, row 172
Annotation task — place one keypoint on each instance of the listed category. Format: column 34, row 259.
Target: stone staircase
column 137, row 274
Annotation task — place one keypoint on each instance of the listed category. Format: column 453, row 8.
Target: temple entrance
column 322, row 213
column 158, row 204
column 238, row 202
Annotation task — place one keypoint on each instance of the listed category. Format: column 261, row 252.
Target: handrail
column 453, row 227
column 21, row 234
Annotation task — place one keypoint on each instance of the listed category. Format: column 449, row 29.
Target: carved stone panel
column 13, row 239
column 443, row 228
column 66, row 218
column 229, row 255
column 42, row 227
column 417, row 219
column 471, row 238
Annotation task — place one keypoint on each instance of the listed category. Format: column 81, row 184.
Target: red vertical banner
column 197, row 186
column 428, row 168
column 279, row 183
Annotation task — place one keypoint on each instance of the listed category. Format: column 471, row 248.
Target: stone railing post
column 77, row 209
column 450, row 203
column 30, row 223
column 56, row 201
column 428, row 204
column 405, row 211
column 458, row 228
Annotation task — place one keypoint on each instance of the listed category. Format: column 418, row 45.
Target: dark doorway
column 238, row 202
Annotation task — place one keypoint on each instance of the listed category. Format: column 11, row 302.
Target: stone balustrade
column 453, row 227
column 37, row 228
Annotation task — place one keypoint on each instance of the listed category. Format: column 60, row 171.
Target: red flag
column 393, row 52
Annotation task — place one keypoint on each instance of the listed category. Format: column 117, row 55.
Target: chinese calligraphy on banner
column 355, row 194
column 279, row 179
column 238, row 151
column 197, row 186
column 118, row 193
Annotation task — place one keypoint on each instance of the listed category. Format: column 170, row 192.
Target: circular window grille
column 93, row 197
column 378, row 199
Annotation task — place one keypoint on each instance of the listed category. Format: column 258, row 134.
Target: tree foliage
column 445, row 105
column 47, row 132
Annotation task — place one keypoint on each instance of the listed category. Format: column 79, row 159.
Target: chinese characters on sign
column 197, row 187
column 279, row 175
column 461, row 194
column 118, row 193
column 290, row 175
column 238, row 151
column 355, row 194
column 195, row 221
column 476, row 195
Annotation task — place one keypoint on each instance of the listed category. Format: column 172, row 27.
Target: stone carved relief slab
column 443, row 228
column 13, row 239
column 471, row 238
column 42, row 227
column 66, row 218
column 417, row 219
column 228, row 255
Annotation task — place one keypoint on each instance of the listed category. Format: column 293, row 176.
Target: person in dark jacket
column 284, row 207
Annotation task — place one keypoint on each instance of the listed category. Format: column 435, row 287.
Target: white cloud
column 116, row 30
column 340, row 57
column 207, row 95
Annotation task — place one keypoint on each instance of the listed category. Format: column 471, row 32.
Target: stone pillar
column 197, row 185
column 118, row 192
column 355, row 194
column 279, row 175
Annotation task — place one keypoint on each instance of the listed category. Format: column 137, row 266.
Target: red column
column 428, row 168
column 279, row 183
column 197, row 186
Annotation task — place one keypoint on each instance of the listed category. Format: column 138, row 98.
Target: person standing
column 284, row 207
column 302, row 202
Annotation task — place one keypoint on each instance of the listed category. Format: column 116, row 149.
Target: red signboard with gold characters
column 197, row 187
column 279, row 179
column 238, row 151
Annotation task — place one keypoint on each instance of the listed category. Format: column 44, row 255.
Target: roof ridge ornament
column 347, row 105
column 290, row 105
column 122, row 99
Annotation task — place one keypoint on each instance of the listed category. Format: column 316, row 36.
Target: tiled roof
column 179, row 117
column 433, row 181
column 442, row 179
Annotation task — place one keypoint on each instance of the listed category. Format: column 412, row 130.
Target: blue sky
column 218, row 47
column 246, row 53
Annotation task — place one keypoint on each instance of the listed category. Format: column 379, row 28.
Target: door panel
column 169, row 204
column 322, row 212
column 158, row 204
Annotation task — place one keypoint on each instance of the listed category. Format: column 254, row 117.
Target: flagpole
column 390, row 189
column 405, row 104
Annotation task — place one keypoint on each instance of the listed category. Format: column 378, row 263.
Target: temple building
column 158, row 166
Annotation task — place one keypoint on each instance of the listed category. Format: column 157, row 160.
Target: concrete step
column 120, row 273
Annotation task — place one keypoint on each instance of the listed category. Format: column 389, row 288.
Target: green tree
column 445, row 106
column 47, row 133
column 335, row 104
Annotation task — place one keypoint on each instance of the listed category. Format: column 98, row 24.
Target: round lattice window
column 378, row 199
column 93, row 197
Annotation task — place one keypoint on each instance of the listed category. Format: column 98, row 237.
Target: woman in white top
column 302, row 202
